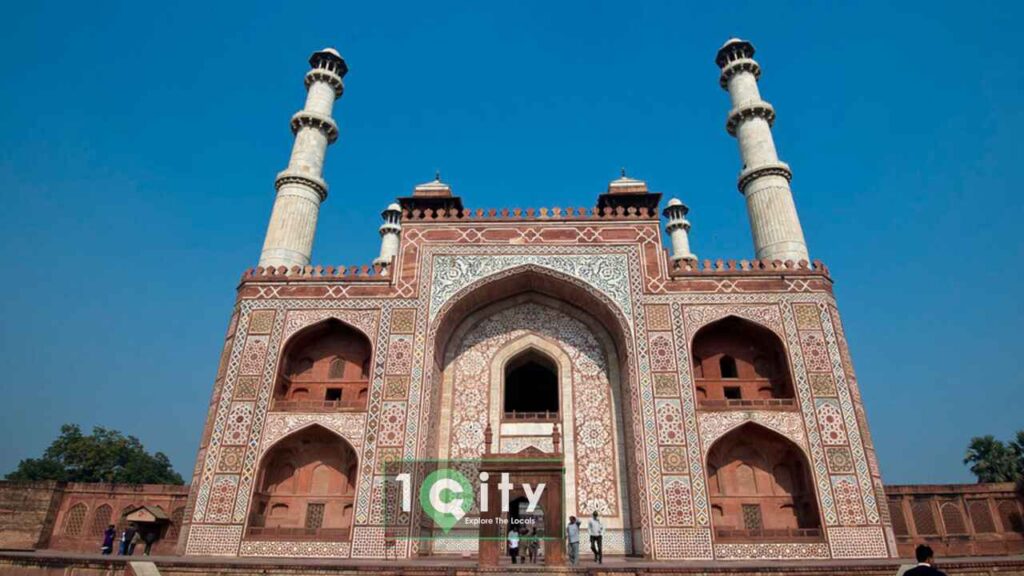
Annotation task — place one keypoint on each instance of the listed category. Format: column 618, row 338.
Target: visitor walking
column 126, row 539
column 925, row 558
column 596, row 531
column 572, row 535
column 513, row 545
column 108, row 540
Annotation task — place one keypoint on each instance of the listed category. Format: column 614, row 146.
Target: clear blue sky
column 139, row 143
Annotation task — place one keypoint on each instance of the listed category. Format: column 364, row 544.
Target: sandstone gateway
column 708, row 410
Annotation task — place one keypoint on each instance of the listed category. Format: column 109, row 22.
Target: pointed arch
column 763, row 484
column 323, row 366
column 530, row 387
column 493, row 293
column 101, row 519
column 741, row 363
column 310, row 468
column 74, row 520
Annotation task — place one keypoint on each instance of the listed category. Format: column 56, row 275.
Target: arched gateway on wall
column 527, row 332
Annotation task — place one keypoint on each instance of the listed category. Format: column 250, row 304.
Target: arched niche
column 325, row 366
column 738, row 363
column 305, row 487
column 762, row 484
column 531, row 387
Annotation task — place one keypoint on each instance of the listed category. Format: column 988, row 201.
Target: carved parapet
column 774, row 169
column 733, row 267
column 328, row 76
column 306, row 118
column 758, row 109
column 291, row 177
column 550, row 214
column 378, row 272
column 737, row 66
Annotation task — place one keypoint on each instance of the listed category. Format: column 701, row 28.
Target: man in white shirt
column 513, row 544
column 572, row 534
column 596, row 531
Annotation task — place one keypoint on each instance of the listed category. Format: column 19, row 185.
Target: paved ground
column 610, row 565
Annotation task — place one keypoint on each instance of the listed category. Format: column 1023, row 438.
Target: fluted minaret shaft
column 764, row 180
column 301, row 187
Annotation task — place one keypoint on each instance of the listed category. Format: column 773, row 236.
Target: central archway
column 479, row 316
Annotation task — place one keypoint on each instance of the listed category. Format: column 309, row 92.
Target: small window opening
column 333, row 394
column 733, row 393
column 727, row 366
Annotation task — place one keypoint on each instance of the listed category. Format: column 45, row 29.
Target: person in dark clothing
column 925, row 557
column 127, row 539
column 108, row 540
column 149, row 538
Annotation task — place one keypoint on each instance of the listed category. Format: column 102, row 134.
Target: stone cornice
column 750, row 174
column 325, row 75
column 290, row 177
column 305, row 118
column 747, row 111
column 737, row 66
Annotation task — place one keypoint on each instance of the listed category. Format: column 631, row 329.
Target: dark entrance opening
column 531, row 387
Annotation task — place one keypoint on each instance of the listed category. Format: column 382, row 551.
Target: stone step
column 143, row 569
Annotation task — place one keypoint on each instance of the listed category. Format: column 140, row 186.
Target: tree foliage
column 103, row 456
column 993, row 460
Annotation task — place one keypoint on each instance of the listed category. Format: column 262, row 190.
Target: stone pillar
column 390, row 234
column 301, row 187
column 764, row 180
column 678, row 229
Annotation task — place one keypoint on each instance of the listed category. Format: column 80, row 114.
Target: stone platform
column 66, row 564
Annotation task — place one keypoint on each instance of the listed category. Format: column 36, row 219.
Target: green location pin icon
column 446, row 496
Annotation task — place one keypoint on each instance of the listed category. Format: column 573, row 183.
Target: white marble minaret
column 301, row 187
column 764, row 180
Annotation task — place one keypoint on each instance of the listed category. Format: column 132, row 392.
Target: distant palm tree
column 992, row 460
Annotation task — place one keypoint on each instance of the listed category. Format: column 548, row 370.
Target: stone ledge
column 48, row 563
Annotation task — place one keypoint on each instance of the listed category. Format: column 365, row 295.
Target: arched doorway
column 761, row 488
column 567, row 365
column 739, row 363
column 306, row 488
column 325, row 366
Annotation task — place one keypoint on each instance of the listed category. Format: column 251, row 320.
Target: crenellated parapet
column 375, row 273
column 519, row 214
column 732, row 267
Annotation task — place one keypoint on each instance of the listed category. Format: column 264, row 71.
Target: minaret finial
column 437, row 175
column 622, row 171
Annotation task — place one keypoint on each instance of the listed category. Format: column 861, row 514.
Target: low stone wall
column 958, row 519
column 27, row 513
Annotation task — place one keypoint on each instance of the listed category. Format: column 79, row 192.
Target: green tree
column 993, row 460
column 103, row 456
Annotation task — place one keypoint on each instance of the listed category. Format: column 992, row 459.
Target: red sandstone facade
column 709, row 411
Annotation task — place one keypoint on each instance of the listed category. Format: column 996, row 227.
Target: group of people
column 130, row 537
column 532, row 544
column 572, row 534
